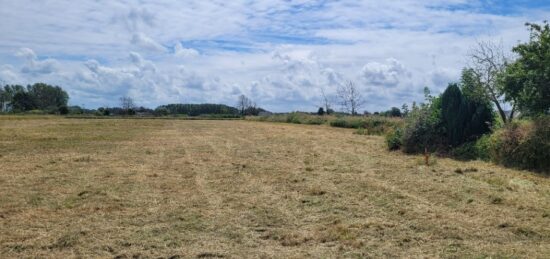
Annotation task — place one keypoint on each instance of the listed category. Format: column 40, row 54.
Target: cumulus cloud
column 8, row 75
column 142, row 64
column 180, row 51
column 145, row 42
column 35, row 66
column 384, row 74
column 281, row 53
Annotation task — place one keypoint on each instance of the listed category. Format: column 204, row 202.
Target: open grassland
column 169, row 188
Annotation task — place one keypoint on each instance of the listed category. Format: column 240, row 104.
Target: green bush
column 340, row 123
column 523, row 144
column 483, row 147
column 293, row 118
column 466, row 151
column 394, row 139
column 63, row 110
column 315, row 121
column 423, row 129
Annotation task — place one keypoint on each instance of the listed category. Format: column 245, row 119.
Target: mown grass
column 169, row 188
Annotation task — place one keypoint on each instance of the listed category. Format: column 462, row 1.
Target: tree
column 527, row 80
column 23, row 101
column 321, row 111
column 350, row 98
column 243, row 103
column 47, row 97
column 394, row 112
column 487, row 62
column 127, row 105
column 326, row 102
column 405, row 110
column 451, row 101
column 464, row 119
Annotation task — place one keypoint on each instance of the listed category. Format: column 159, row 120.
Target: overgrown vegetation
column 370, row 125
column 461, row 121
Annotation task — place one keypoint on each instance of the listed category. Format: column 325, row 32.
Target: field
column 210, row 189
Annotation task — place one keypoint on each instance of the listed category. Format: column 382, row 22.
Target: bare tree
column 487, row 61
column 244, row 103
column 326, row 102
column 350, row 97
column 127, row 104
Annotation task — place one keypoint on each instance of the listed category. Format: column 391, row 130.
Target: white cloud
column 147, row 43
column 387, row 74
column 180, row 51
column 35, row 66
column 280, row 53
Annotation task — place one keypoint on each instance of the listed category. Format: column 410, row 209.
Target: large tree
column 350, row 97
column 244, row 104
column 127, row 104
column 527, row 80
column 48, row 97
column 37, row 96
column 487, row 61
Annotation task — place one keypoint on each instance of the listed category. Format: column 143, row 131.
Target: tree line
column 39, row 96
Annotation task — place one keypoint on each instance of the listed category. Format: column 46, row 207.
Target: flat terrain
column 168, row 188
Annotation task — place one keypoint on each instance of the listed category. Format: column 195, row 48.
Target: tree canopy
column 527, row 80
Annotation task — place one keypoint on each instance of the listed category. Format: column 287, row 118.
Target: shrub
column 340, row 123
column 483, row 147
column 315, row 121
column 422, row 130
column 63, row 110
column 161, row 111
column 293, row 118
column 523, row 144
column 466, row 151
column 394, row 139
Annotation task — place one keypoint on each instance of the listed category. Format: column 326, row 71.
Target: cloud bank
column 279, row 53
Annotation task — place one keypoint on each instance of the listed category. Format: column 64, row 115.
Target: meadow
column 127, row 188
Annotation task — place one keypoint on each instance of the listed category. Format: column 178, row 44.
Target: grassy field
column 200, row 189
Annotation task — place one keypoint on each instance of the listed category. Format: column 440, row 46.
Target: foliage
column 198, row 109
column 464, row 116
column 423, row 128
column 394, row 139
column 375, row 125
column 372, row 124
column 63, row 110
column 483, row 148
column 161, row 111
column 321, row 111
column 451, row 114
column 523, row 144
column 38, row 96
column 466, row 151
column 527, row 80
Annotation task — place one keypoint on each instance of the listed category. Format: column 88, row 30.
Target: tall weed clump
column 523, row 144
column 374, row 125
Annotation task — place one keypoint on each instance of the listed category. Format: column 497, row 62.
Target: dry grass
column 168, row 188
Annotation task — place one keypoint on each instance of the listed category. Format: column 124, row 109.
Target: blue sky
column 280, row 53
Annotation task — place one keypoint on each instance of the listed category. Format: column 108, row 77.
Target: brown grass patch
column 231, row 189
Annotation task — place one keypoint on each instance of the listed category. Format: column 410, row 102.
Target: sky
column 280, row 53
